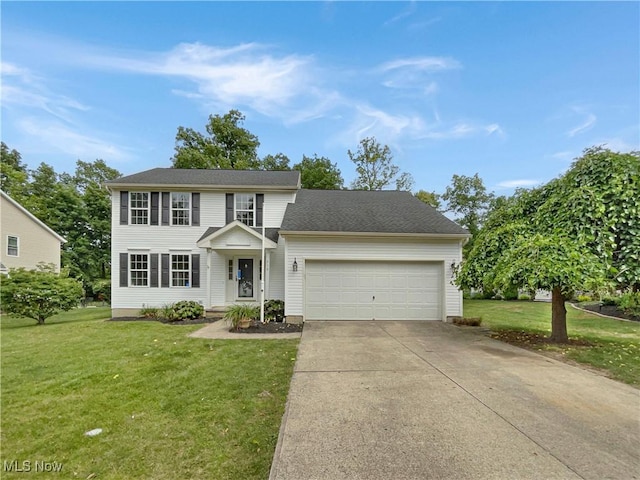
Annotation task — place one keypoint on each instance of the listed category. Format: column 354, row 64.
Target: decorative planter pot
column 244, row 323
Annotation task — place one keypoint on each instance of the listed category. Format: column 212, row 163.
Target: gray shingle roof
column 213, row 178
column 365, row 211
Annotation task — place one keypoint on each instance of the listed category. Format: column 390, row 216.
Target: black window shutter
column 195, row 270
column 164, row 277
column 124, row 208
column 124, row 270
column 166, row 207
column 259, row 203
column 155, row 203
column 229, row 208
column 195, row 209
column 153, row 260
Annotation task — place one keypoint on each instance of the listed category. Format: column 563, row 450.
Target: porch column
column 208, row 305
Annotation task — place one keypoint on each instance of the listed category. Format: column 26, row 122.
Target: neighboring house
column 181, row 234
column 25, row 240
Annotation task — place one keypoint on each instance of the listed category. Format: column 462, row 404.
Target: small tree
column 375, row 167
column 39, row 294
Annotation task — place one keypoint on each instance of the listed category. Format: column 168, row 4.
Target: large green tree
column 467, row 198
column 226, row 145
column 578, row 232
column 13, row 173
column 319, row 173
column 375, row 168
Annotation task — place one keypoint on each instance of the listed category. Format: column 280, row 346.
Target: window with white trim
column 12, row 246
column 139, row 206
column 180, row 271
column 245, row 208
column 180, row 208
column 139, row 269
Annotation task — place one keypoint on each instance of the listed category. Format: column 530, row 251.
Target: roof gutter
column 200, row 187
column 440, row 236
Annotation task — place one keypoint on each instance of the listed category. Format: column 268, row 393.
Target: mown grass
column 170, row 406
column 611, row 345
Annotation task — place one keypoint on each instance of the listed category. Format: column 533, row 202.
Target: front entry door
column 245, row 278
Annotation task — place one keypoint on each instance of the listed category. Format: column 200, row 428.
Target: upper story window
column 245, row 208
column 180, row 208
column 12, row 246
column 139, row 202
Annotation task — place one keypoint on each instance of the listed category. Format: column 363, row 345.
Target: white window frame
column 187, row 271
column 181, row 209
column 238, row 211
column 132, row 270
column 132, row 208
column 17, row 247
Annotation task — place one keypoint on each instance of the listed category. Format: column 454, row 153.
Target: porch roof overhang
column 237, row 236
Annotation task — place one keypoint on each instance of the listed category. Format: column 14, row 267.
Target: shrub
column 149, row 312
column 629, row 303
column 273, row 310
column 39, row 294
column 166, row 312
column 187, row 310
column 609, row 301
column 583, row 298
column 510, row 293
column 102, row 290
column 467, row 321
column 524, row 297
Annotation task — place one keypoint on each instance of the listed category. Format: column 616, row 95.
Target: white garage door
column 342, row 290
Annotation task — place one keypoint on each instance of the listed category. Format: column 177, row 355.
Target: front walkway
column 428, row 400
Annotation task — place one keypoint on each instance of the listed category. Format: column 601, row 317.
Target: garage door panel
column 348, row 290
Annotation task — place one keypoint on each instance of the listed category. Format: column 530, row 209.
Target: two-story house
column 25, row 242
column 180, row 234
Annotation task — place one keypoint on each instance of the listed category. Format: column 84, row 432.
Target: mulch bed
column 609, row 310
column 533, row 340
column 271, row 327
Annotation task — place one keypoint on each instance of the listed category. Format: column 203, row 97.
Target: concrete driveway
column 427, row 400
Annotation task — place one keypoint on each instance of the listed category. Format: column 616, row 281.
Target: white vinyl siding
column 169, row 239
column 372, row 249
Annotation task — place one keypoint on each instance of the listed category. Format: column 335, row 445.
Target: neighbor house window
column 245, row 208
column 139, row 268
column 180, row 208
column 180, row 270
column 12, row 246
column 139, row 202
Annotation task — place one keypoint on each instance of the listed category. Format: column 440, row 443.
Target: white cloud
column 461, row 130
column 587, row 120
column 566, row 155
column 68, row 140
column 427, row 64
column 524, row 183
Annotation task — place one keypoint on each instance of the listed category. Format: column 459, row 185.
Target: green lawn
column 169, row 406
column 615, row 344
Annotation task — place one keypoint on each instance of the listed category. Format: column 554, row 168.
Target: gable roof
column 210, row 178
column 32, row 217
column 270, row 233
column 362, row 211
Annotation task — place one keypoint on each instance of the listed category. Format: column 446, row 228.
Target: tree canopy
column 375, row 167
column 468, row 200
column 227, row 145
column 578, row 232
column 319, row 173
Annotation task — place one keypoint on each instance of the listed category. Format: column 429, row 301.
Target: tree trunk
column 558, row 317
column 40, row 320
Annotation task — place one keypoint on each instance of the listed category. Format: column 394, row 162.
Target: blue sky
column 512, row 90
